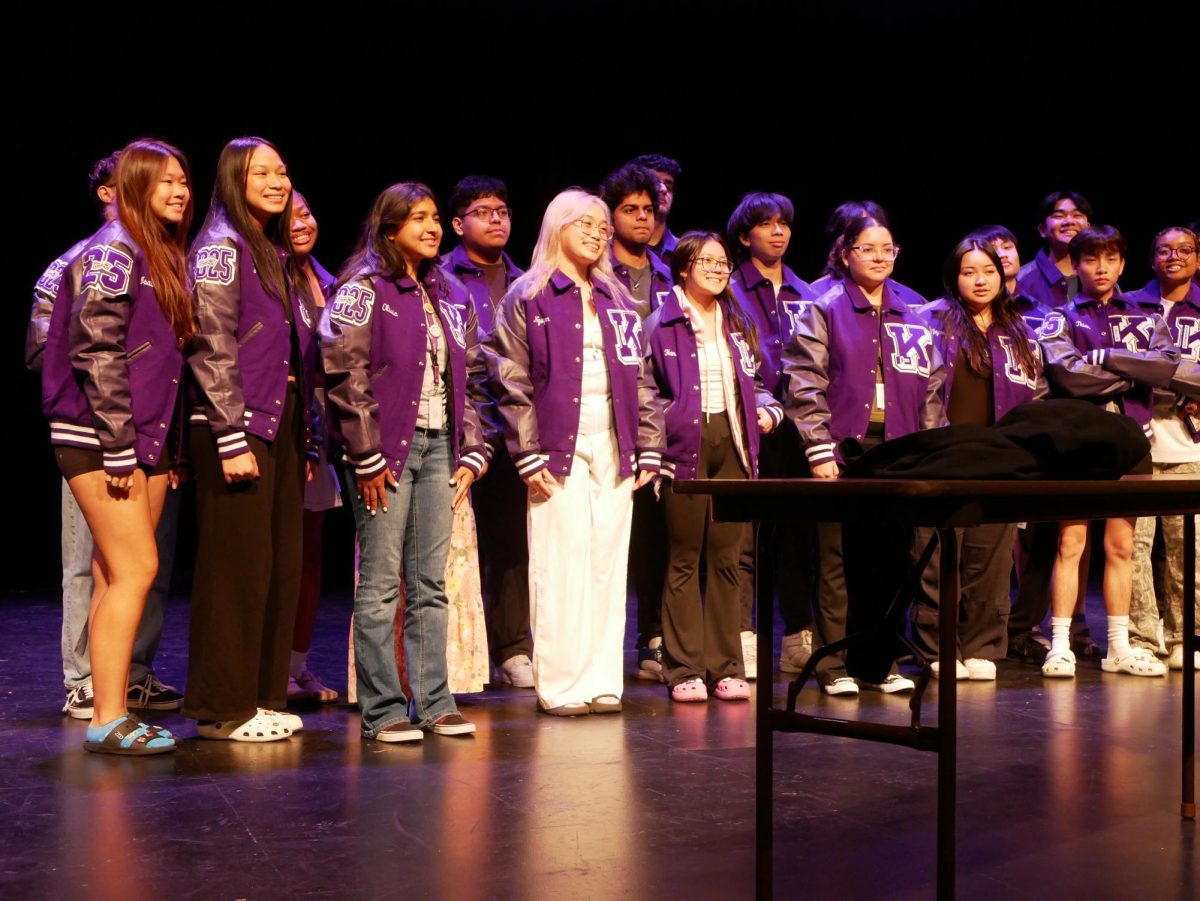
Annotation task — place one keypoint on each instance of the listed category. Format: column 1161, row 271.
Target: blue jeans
column 413, row 534
column 77, row 593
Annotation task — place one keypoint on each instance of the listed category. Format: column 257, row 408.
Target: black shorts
column 75, row 461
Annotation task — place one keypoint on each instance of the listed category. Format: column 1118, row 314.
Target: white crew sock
column 1118, row 636
column 1060, row 634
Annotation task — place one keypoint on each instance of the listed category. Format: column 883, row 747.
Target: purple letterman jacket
column 375, row 353
column 535, row 364
column 660, row 282
column 904, row 294
column 1011, row 384
column 1184, row 323
column 458, row 264
column 830, row 366
column 44, row 292
column 1120, row 351
column 1041, row 280
column 665, row 247
column 112, row 362
column 241, row 355
column 774, row 317
column 671, row 356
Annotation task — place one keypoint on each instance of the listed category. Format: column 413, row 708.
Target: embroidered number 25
column 106, row 270
column 352, row 305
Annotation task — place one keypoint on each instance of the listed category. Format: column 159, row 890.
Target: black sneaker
column 79, row 701
column 150, row 694
column 1026, row 648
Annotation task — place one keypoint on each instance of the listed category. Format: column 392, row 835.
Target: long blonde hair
column 569, row 206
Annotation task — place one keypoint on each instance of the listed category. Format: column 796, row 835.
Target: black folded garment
column 1045, row 439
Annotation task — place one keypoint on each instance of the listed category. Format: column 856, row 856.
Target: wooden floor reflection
column 1066, row 790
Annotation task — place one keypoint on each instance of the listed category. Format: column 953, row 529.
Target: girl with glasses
column 583, row 426
column 1175, row 444
column 860, row 367
column 702, row 352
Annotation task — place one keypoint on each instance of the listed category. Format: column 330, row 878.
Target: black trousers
column 701, row 638
column 982, row 610
column 1039, row 540
column 247, row 579
column 648, row 562
column 500, row 499
column 784, row 556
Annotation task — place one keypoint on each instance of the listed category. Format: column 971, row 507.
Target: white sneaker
column 750, row 655
column 795, row 650
column 516, row 671
column 843, row 686
column 960, row 671
column 1175, row 660
column 892, row 684
column 980, row 670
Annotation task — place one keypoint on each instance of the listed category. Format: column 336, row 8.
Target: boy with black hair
column 771, row 293
column 631, row 192
column 146, row 692
column 1049, row 279
column 667, row 171
column 1114, row 351
column 482, row 219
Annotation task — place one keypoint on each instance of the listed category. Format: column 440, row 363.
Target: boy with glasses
column 482, row 219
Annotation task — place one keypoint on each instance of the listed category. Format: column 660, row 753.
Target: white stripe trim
column 819, row 450
column 72, row 427
column 530, row 463
column 231, row 438
column 119, row 454
column 57, row 437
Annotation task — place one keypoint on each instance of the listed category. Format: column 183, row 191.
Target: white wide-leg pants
column 578, row 553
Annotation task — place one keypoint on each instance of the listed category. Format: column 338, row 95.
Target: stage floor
column 1067, row 789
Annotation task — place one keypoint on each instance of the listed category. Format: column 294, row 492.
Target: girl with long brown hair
column 254, row 360
column 113, row 366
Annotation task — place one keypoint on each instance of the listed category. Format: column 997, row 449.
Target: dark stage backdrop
column 951, row 116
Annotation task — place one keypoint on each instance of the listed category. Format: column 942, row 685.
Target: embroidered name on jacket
column 1131, row 331
column 352, row 305
column 745, row 354
column 628, row 326
column 1013, row 370
column 215, row 264
column 452, row 316
column 794, row 309
column 911, row 345
column 106, row 270
column 1189, row 337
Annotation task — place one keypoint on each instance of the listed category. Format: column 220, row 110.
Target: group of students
column 564, row 401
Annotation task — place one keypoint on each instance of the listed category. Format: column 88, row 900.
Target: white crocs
column 1138, row 662
column 1060, row 665
column 260, row 727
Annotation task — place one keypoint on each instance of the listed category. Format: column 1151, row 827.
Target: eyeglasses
column 487, row 213
column 592, row 227
column 1165, row 253
column 709, row 264
column 871, row 252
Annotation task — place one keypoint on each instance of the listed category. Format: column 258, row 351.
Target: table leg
column 948, row 602
column 1188, row 807
column 764, row 752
